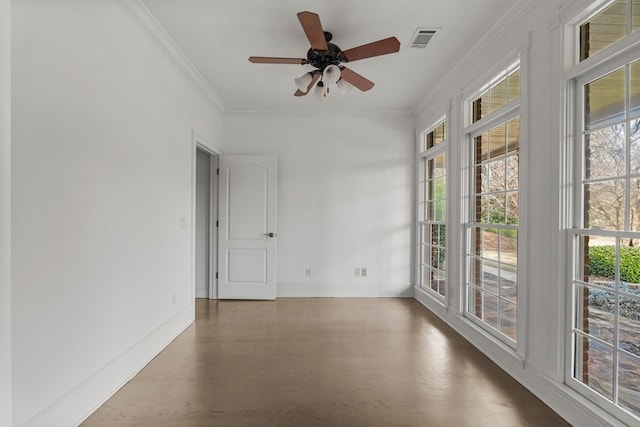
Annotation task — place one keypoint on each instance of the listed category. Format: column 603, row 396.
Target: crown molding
column 143, row 18
column 406, row 114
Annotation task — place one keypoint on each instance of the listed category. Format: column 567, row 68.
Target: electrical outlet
column 363, row 271
column 357, row 272
column 307, row 272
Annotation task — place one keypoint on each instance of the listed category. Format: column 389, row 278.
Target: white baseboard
column 333, row 290
column 569, row 404
column 77, row 405
column 202, row 293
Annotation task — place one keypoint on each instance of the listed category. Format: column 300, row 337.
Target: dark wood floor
column 321, row 362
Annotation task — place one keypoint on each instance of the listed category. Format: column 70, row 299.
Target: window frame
column 424, row 154
column 519, row 107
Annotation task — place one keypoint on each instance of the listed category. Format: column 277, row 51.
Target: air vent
column 422, row 37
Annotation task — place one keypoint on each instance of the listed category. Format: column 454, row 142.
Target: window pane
column 512, row 208
column 605, row 152
column 481, row 148
column 635, row 15
column 490, row 309
column 440, row 199
column 603, row 29
column 480, row 107
column 482, row 177
column 439, row 165
column 594, row 365
column 499, row 95
column 629, row 325
column 509, row 286
column 442, row 163
column 442, row 239
column 482, row 210
column 475, row 271
column 509, row 247
column 513, row 134
column 475, row 237
column 629, row 383
column 490, row 244
column 604, row 99
column 497, row 208
column 605, row 205
column 508, row 318
column 595, row 312
column 513, row 85
column 634, row 195
column 634, row 132
column 490, row 277
column 498, row 141
column 598, row 261
column 513, row 172
column 440, row 281
column 429, row 140
column 438, row 134
column 629, row 263
column 634, row 94
column 497, row 175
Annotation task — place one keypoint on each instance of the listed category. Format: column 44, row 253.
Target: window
column 613, row 23
column 604, row 360
column 491, row 286
column 606, row 238
column 432, row 212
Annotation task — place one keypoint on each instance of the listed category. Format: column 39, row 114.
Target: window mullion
column 627, row 143
column 616, row 323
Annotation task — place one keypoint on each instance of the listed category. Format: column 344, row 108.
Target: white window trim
column 517, row 108
column 443, row 147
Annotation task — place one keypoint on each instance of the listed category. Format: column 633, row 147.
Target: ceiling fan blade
column 369, row 50
column 313, row 29
column 356, row 79
column 271, row 60
column 313, row 81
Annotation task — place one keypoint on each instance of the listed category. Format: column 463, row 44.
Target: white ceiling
column 218, row 36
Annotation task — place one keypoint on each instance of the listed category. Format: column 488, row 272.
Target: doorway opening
column 206, row 216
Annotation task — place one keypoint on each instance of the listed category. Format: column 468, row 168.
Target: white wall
column 5, row 212
column 102, row 204
column 345, row 197
column 540, row 238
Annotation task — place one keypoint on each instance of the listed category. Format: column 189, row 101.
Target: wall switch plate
column 307, row 272
column 357, row 272
column 363, row 271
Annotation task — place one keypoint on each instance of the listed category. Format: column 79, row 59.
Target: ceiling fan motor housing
column 323, row 58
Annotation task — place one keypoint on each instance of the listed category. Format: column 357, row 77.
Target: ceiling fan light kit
column 303, row 81
column 327, row 58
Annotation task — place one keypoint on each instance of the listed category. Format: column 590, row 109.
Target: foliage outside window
column 432, row 204
column 491, row 285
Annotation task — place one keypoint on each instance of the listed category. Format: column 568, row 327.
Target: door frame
column 199, row 143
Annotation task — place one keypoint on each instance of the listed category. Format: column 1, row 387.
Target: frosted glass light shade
column 331, row 75
column 303, row 81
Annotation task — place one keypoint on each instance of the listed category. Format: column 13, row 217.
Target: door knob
column 270, row 234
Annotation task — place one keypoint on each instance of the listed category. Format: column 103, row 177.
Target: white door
column 247, row 227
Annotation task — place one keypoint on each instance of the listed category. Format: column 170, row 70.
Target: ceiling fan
column 327, row 58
